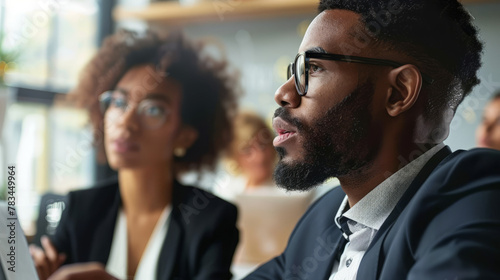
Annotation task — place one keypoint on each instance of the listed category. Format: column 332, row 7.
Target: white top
column 366, row 217
column 146, row 269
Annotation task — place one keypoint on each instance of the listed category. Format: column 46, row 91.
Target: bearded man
column 369, row 100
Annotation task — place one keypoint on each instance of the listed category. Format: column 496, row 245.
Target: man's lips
column 124, row 146
column 285, row 131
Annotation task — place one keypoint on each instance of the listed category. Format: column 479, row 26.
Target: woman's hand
column 48, row 260
column 82, row 271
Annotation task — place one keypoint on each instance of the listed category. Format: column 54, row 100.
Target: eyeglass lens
column 152, row 113
column 298, row 68
column 300, row 74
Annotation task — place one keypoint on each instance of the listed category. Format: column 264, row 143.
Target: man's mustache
column 285, row 115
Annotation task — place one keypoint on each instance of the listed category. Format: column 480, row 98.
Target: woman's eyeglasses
column 151, row 113
column 300, row 67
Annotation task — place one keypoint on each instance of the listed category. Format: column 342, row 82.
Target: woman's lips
column 124, row 146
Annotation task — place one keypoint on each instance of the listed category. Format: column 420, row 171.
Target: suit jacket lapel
column 332, row 233
column 369, row 267
column 104, row 231
column 330, row 244
column 168, row 254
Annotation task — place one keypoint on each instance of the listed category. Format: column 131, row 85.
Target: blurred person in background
column 488, row 132
column 268, row 214
column 251, row 157
column 159, row 106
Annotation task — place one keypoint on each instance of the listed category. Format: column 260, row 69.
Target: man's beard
column 334, row 145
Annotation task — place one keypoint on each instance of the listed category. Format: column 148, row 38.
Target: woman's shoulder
column 199, row 197
column 199, row 204
column 102, row 192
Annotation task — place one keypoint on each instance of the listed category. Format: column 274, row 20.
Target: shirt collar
column 374, row 208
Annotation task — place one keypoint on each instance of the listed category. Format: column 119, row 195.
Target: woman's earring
column 179, row 152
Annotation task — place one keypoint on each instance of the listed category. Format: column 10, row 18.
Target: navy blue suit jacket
column 199, row 244
column 446, row 226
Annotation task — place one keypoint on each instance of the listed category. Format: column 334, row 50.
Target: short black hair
column 437, row 34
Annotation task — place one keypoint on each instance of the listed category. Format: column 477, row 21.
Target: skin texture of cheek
column 328, row 143
column 159, row 148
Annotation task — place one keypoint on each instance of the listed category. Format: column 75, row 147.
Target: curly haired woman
column 162, row 107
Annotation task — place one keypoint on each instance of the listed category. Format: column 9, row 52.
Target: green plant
column 3, row 191
column 7, row 59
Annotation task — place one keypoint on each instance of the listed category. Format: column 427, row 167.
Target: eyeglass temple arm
column 365, row 60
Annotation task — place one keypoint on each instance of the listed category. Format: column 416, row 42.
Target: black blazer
column 446, row 226
column 200, row 241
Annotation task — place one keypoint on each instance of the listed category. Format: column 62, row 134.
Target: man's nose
column 286, row 95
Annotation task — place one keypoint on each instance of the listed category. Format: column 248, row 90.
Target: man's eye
column 314, row 68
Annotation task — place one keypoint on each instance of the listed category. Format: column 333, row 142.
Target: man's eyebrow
column 316, row 50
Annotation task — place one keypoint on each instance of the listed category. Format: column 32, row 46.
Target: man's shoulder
column 474, row 154
column 463, row 166
column 458, row 175
column 459, row 201
column 463, row 181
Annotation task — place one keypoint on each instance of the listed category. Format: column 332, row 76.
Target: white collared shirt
column 146, row 269
column 366, row 217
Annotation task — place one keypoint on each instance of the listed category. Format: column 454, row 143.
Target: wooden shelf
column 214, row 11
column 224, row 10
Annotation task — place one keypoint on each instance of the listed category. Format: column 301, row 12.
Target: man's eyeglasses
column 152, row 113
column 300, row 67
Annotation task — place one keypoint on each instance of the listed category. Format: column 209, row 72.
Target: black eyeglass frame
column 344, row 58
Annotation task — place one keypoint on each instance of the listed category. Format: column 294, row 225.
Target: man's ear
column 406, row 82
column 186, row 137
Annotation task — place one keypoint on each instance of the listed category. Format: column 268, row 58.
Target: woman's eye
column 153, row 110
